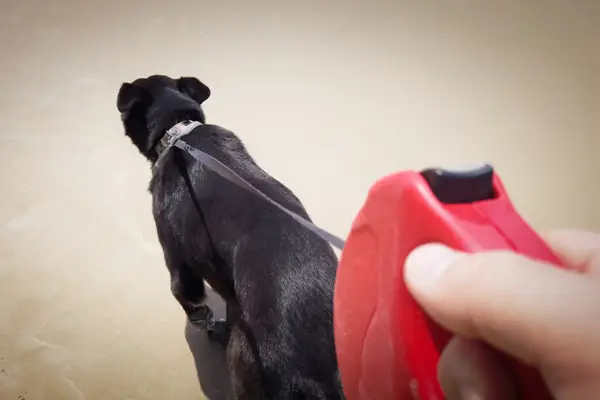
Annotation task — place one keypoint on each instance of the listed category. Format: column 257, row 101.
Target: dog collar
column 171, row 136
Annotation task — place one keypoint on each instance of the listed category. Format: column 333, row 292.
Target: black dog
column 276, row 277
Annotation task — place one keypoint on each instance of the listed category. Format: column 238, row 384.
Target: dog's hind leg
column 246, row 381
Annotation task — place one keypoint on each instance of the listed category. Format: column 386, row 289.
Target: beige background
column 328, row 96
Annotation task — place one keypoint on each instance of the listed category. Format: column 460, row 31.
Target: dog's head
column 150, row 106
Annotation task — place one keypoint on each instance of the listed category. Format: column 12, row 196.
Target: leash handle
column 227, row 173
column 387, row 347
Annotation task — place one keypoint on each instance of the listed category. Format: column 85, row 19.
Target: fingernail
column 470, row 394
column 426, row 263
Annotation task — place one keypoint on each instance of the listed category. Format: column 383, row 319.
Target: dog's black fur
column 276, row 277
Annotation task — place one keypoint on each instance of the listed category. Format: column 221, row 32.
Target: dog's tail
column 241, row 323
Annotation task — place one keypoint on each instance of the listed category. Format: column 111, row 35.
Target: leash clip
column 171, row 137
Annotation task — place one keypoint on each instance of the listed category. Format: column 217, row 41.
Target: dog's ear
column 132, row 102
column 129, row 96
column 197, row 90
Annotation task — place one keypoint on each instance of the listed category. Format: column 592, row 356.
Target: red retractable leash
column 387, row 348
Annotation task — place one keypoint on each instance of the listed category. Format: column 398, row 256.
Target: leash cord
column 227, row 173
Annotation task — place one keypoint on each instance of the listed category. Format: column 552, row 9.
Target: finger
column 470, row 369
column 533, row 311
column 579, row 250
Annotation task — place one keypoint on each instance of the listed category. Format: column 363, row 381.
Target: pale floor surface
column 328, row 96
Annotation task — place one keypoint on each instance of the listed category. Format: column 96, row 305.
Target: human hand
column 501, row 302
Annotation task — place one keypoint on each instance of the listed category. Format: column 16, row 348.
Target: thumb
column 530, row 310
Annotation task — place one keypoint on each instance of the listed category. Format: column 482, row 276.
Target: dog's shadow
column 209, row 357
